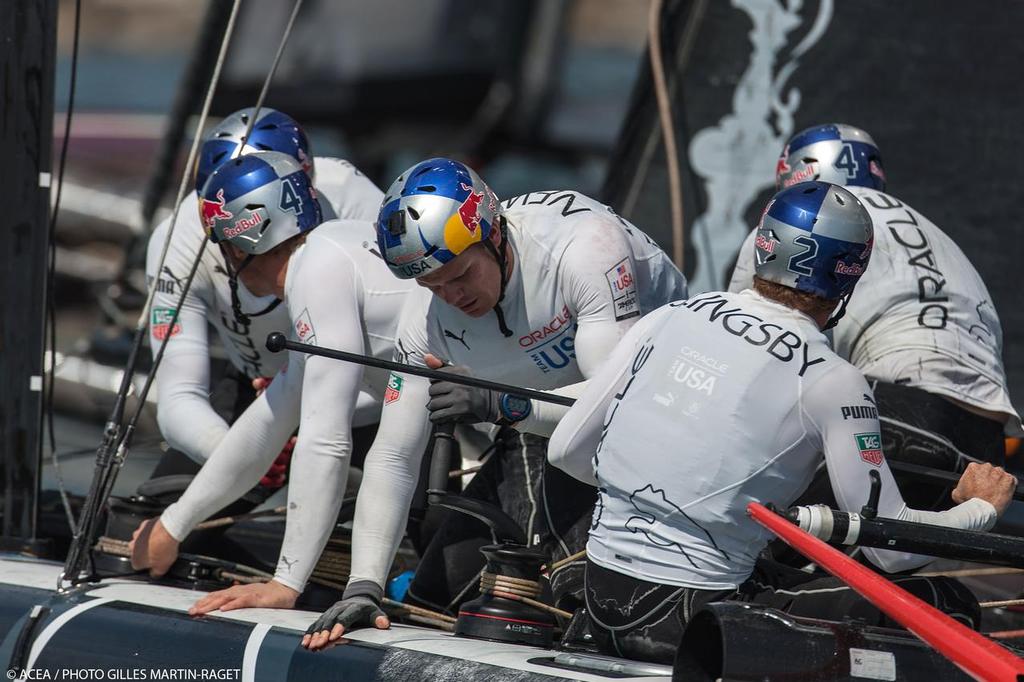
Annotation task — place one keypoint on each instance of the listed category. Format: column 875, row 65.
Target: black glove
column 461, row 404
column 359, row 607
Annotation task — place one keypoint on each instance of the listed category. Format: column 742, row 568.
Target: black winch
column 511, row 570
column 510, row 581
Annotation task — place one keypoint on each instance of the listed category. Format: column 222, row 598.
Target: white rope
column 667, row 129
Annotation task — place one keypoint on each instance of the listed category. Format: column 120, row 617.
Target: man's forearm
column 238, row 463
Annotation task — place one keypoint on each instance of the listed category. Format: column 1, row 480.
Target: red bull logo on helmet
column 876, row 169
column 245, row 224
column 765, row 243
column 469, row 211
column 808, row 172
column 852, row 269
column 781, row 168
column 462, row 229
column 211, row 211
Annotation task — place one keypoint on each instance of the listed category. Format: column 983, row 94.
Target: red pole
column 975, row 654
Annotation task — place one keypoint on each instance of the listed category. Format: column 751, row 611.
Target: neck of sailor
column 265, row 274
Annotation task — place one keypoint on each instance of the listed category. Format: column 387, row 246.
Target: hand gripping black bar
column 923, row 473
column 277, row 342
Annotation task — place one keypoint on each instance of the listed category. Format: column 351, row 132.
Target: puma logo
column 461, row 339
column 288, row 563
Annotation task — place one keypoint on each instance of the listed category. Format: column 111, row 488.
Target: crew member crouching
column 724, row 399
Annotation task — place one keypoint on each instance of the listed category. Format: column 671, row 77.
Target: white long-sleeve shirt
column 339, row 294
column 707, row 405
column 920, row 315
column 581, row 278
column 187, row 421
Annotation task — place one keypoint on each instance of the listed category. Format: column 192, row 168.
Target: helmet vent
column 811, row 190
column 245, row 119
column 413, row 212
column 216, row 159
column 840, row 200
column 264, row 147
column 426, row 188
column 810, row 159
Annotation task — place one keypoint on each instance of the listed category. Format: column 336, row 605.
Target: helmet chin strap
column 501, row 255
column 236, row 304
column 833, row 320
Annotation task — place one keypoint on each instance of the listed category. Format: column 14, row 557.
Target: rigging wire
column 667, row 129
column 125, row 442
column 270, row 77
column 103, row 478
column 110, row 475
column 120, row 441
column 51, row 268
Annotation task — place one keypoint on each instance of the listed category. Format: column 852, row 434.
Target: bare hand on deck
column 987, row 482
column 271, row 595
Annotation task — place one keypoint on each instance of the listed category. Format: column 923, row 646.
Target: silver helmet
column 814, row 237
column 273, row 131
column 258, row 201
column 834, row 152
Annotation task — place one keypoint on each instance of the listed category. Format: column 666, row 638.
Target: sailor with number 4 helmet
column 922, row 328
column 335, row 291
column 194, row 404
column 730, row 398
column 533, row 291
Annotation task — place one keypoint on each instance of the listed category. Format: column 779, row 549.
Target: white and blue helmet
column 258, row 201
column 814, row 237
column 434, row 211
column 273, row 131
column 834, row 152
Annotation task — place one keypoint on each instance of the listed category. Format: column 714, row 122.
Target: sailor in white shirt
column 922, row 328
column 536, row 292
column 725, row 399
column 336, row 291
column 195, row 405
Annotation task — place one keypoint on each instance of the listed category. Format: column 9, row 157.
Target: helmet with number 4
column 273, row 132
column 258, row 201
column 814, row 237
column 433, row 212
column 836, row 153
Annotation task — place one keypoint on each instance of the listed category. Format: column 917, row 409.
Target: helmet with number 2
column 273, row 132
column 814, row 237
column 836, row 153
column 258, row 201
column 433, row 212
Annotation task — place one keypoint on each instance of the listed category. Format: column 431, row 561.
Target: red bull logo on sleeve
column 211, row 211
column 462, row 229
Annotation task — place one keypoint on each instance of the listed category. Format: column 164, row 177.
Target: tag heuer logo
column 870, row 446
column 394, row 390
